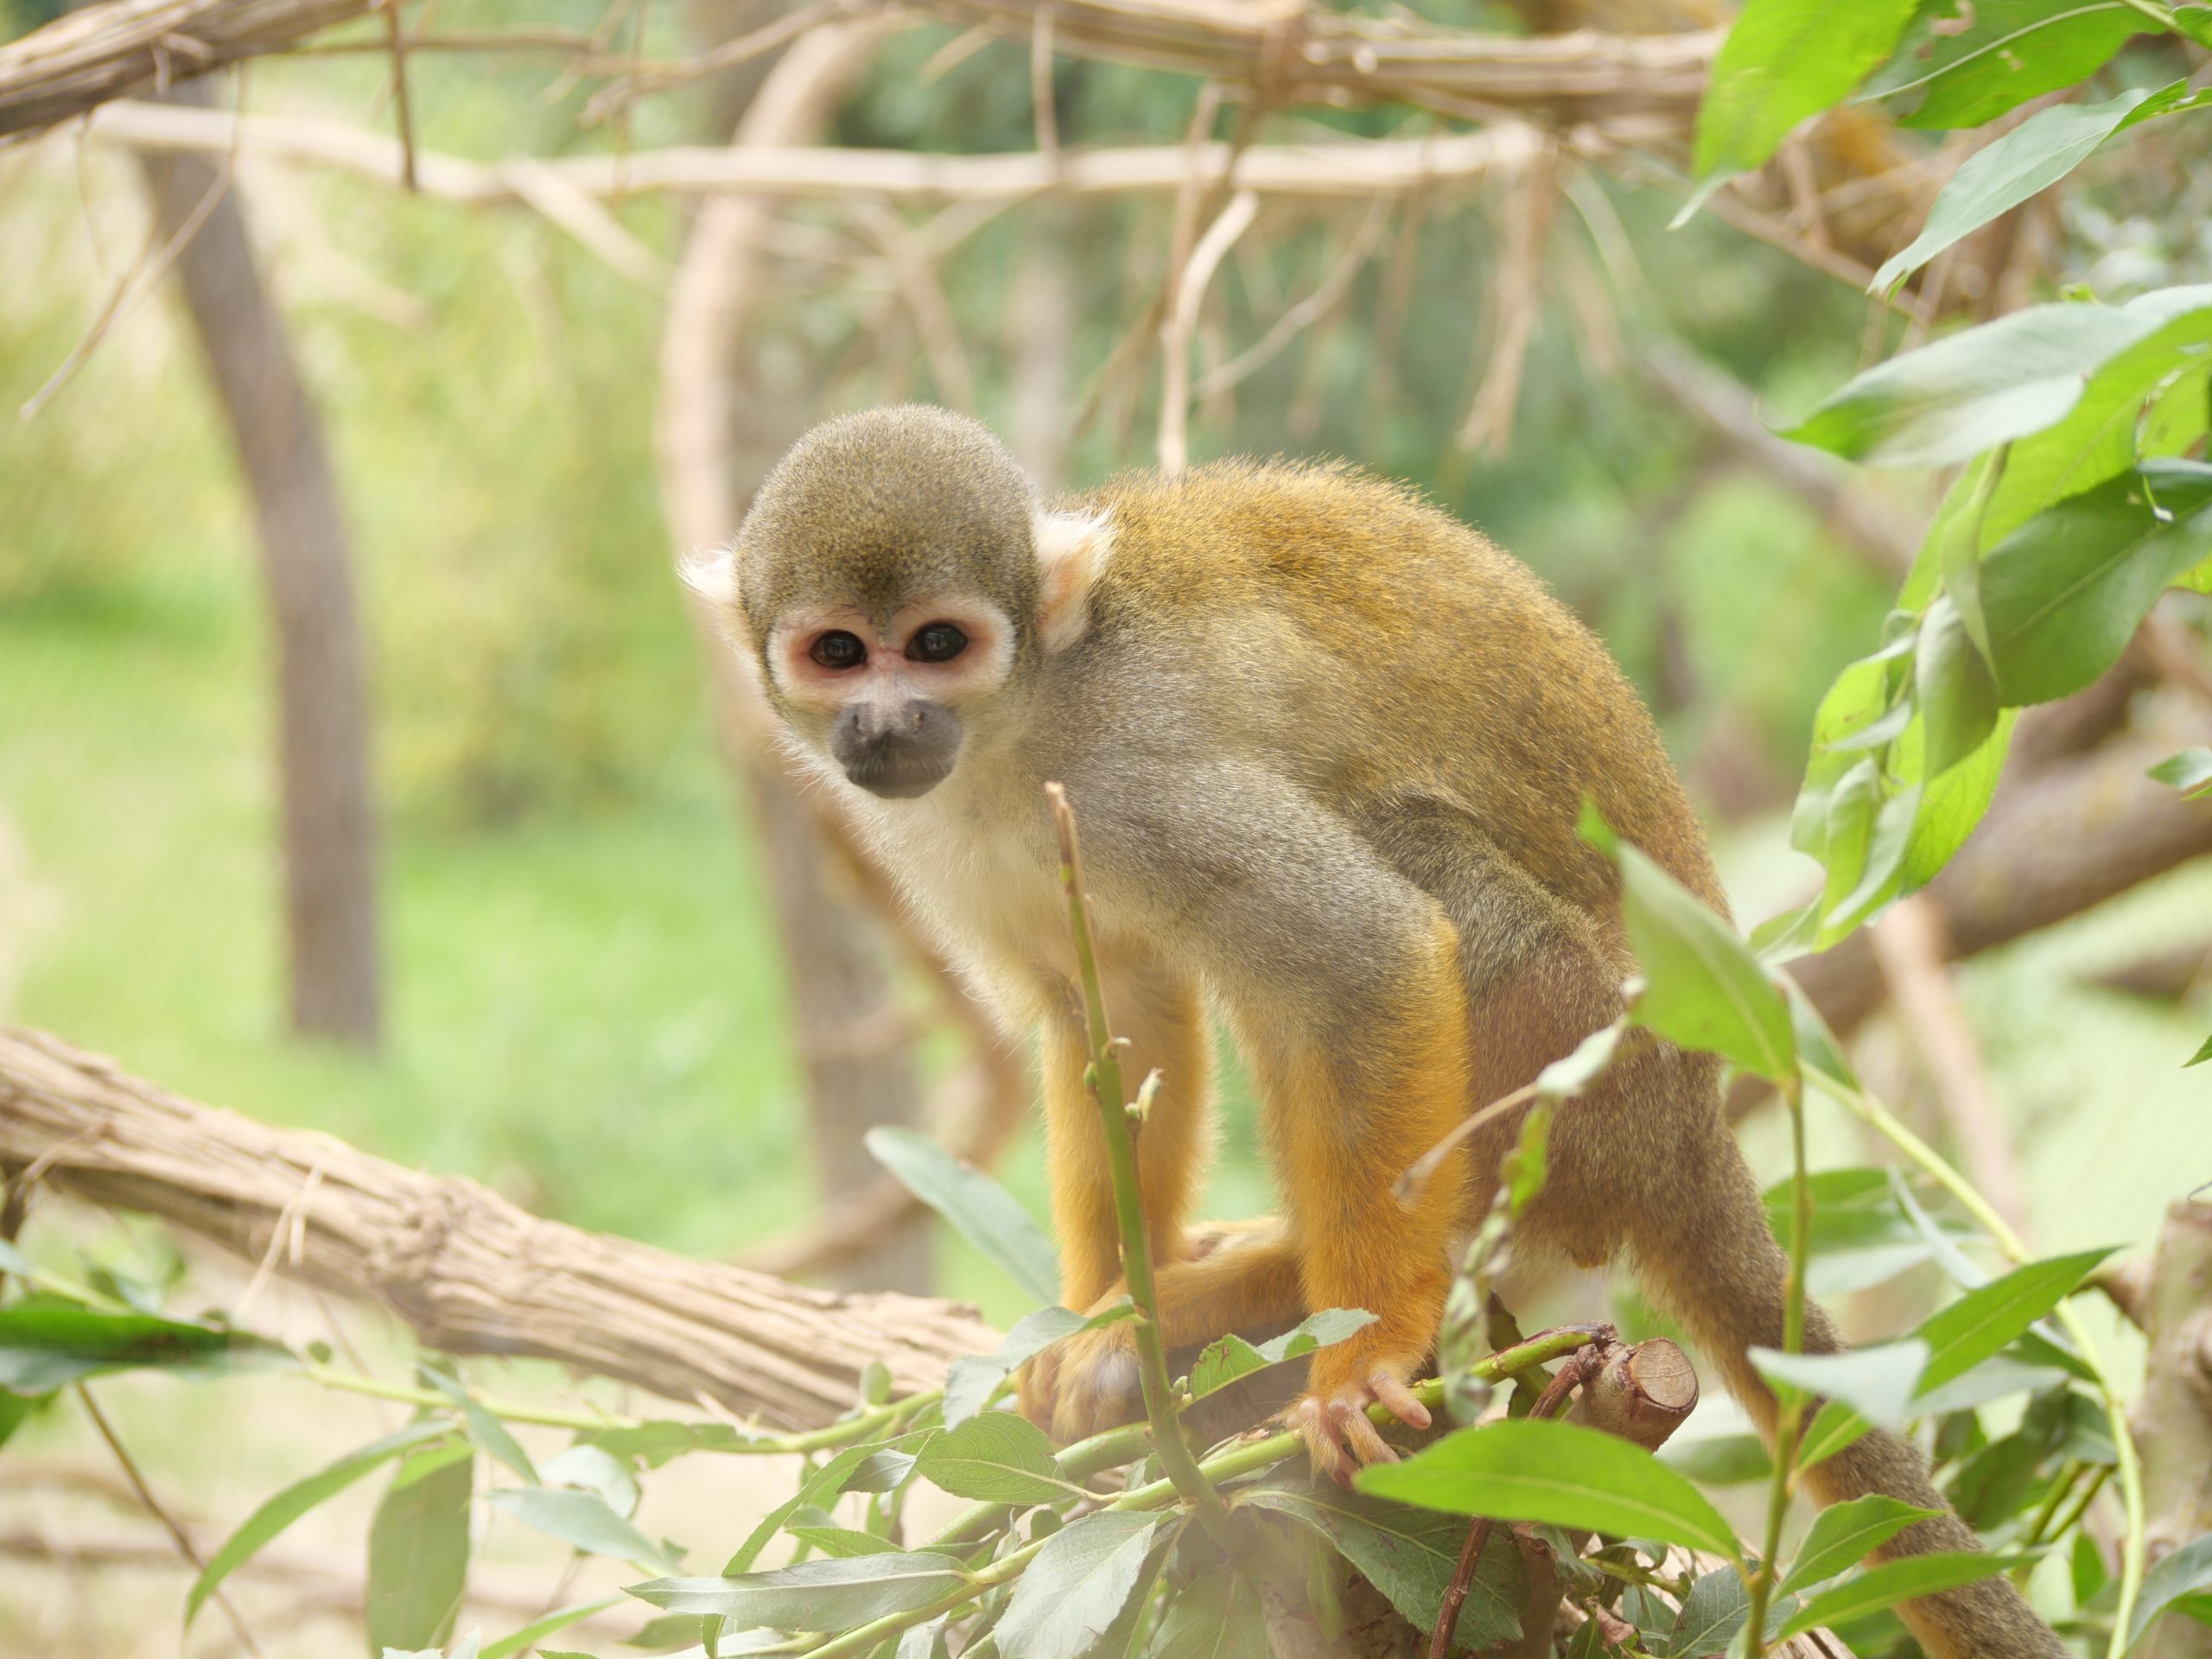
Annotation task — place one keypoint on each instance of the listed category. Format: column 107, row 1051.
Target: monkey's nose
column 897, row 752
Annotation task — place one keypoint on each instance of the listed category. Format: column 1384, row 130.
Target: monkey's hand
column 1084, row 1384
column 1346, row 1380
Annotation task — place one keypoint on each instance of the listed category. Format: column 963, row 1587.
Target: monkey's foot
column 1333, row 1420
column 1086, row 1384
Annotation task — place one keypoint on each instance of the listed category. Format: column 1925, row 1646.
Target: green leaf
column 2107, row 432
column 1783, row 60
column 816, row 1489
column 1981, row 1322
column 595, row 1470
column 530, row 1636
column 1224, row 1361
column 1408, row 1555
column 981, row 1211
column 1703, row 988
column 1075, row 1589
column 1957, row 695
column 296, row 1500
column 2065, row 592
column 1877, row 1383
column 1894, row 1581
column 583, row 1520
column 1711, row 1614
column 418, row 1549
column 1217, row 1617
column 2195, row 21
column 1964, row 62
column 1952, row 806
column 1835, row 1427
column 844, row 1541
column 2182, row 1572
column 973, row 1378
column 487, row 1431
column 996, row 1458
column 2200, row 1057
column 1718, row 1459
column 1559, row 1473
column 2034, row 156
column 2189, row 772
column 821, row 1595
column 1844, row 1534
column 47, row 1341
column 1983, row 386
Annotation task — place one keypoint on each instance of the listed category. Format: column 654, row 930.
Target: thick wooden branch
column 1288, row 55
column 469, row 1272
column 80, row 61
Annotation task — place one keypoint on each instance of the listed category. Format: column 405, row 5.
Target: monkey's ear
column 711, row 573
column 1072, row 549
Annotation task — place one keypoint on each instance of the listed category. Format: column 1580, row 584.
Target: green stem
column 1885, row 1123
column 864, row 1638
column 1117, row 1446
column 1790, row 1401
column 1113, row 1116
column 861, row 1428
column 2158, row 14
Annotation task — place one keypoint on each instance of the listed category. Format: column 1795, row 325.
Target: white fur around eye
column 1072, row 549
column 711, row 573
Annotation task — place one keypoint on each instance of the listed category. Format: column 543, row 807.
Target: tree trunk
column 2172, row 1419
column 855, row 1043
column 330, row 882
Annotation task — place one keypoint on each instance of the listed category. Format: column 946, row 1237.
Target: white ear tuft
column 1072, row 549
column 711, row 573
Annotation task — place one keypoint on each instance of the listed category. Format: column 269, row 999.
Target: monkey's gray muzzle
column 896, row 755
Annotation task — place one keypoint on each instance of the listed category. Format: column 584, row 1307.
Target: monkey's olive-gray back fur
column 886, row 506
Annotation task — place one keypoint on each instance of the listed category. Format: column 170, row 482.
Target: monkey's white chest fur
column 985, row 886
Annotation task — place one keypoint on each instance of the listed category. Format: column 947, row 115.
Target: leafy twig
column 1549, row 1403
column 1885, row 1123
column 1115, row 1119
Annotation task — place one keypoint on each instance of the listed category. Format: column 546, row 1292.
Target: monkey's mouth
column 897, row 773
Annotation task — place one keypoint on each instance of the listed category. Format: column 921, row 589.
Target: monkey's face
column 882, row 694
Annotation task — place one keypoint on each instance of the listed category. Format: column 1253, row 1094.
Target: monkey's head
column 897, row 576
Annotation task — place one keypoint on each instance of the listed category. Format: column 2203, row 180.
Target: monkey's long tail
column 1706, row 1257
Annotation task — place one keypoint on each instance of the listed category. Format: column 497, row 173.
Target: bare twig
column 396, row 35
column 132, row 286
column 1357, row 170
column 1910, row 946
column 1182, row 319
column 1042, row 110
column 1301, row 316
column 1579, row 1364
column 1515, row 303
column 186, row 1548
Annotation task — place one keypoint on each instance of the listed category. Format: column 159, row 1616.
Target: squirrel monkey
column 1329, row 747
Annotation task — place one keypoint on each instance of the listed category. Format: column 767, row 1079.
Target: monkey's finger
column 1359, row 1432
column 1399, row 1398
column 1322, row 1443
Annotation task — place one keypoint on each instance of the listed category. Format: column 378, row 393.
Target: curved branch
column 469, row 1272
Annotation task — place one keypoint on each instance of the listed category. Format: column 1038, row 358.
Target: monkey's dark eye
column 838, row 649
column 940, row 642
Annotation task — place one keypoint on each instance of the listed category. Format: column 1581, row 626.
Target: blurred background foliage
column 586, row 1005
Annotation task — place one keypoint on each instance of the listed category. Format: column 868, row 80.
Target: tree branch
column 469, row 1272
